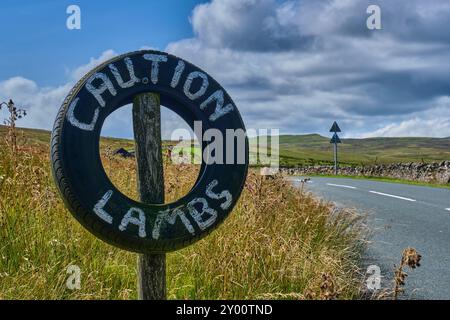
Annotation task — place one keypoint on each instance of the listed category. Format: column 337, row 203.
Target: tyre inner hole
column 180, row 153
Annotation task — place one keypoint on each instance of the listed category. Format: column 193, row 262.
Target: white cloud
column 18, row 87
column 299, row 65
column 415, row 127
column 79, row 72
column 42, row 103
column 430, row 123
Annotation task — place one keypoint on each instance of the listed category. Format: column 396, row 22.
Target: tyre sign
column 86, row 189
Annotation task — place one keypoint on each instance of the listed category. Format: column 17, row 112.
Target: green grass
column 31, row 136
column 313, row 149
column 278, row 243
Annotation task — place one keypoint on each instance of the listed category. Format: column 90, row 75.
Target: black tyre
column 87, row 191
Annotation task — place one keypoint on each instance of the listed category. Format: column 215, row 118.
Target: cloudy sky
column 292, row 65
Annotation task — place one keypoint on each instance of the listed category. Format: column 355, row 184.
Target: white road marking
column 448, row 209
column 340, row 185
column 392, row 196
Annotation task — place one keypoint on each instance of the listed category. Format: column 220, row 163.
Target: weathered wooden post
column 150, row 226
column 335, row 159
column 150, row 184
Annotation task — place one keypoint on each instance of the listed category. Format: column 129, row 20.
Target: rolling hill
column 315, row 149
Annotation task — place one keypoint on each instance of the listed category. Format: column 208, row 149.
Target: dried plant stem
column 14, row 114
column 410, row 258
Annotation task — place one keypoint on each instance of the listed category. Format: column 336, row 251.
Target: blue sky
column 293, row 65
column 37, row 45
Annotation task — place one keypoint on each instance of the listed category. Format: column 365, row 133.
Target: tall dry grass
column 279, row 242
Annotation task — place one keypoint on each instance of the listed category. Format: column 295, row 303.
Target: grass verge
column 279, row 242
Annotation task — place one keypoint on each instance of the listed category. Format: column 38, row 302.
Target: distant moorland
column 315, row 149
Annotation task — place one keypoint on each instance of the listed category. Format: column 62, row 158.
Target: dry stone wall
column 421, row 172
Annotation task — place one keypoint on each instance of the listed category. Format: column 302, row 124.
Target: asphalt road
column 399, row 216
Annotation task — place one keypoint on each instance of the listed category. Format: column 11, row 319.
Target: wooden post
column 150, row 184
column 335, row 159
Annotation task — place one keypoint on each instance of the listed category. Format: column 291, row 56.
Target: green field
column 314, row 149
column 278, row 243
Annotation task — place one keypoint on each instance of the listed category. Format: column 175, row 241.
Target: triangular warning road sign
column 335, row 127
column 335, row 138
